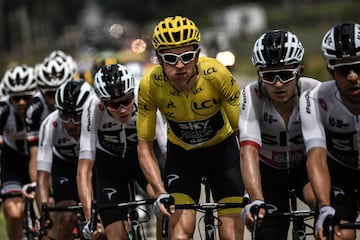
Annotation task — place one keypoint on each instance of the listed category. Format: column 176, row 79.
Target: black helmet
column 277, row 47
column 71, row 96
column 341, row 41
column 113, row 81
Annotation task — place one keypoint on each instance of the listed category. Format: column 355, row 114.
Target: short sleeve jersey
column 203, row 118
column 99, row 130
column 328, row 124
column 36, row 112
column 281, row 146
column 12, row 128
column 54, row 139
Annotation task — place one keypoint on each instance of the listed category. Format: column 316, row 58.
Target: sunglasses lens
column 284, row 76
column 67, row 118
column 187, row 57
column 345, row 70
column 269, row 77
column 170, row 58
column 23, row 97
column 114, row 106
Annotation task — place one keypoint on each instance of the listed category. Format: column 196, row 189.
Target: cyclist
column 49, row 75
column 108, row 144
column 20, row 86
column 199, row 98
column 329, row 115
column 272, row 151
column 58, row 153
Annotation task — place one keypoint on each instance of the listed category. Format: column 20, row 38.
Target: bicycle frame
column 45, row 210
column 208, row 209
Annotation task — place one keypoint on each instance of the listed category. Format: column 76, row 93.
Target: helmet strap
column 193, row 75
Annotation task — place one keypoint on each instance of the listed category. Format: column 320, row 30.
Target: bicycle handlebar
column 199, row 207
column 130, row 204
column 165, row 221
column 330, row 222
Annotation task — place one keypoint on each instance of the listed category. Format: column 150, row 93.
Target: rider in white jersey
column 271, row 144
column 108, row 144
column 331, row 128
column 59, row 151
column 49, row 75
column 20, row 85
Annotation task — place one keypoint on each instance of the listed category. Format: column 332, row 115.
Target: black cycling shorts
column 14, row 170
column 220, row 163
column 345, row 186
column 112, row 176
column 63, row 176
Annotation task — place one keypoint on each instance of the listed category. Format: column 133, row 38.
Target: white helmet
column 277, row 47
column 61, row 56
column 341, row 42
column 52, row 73
column 3, row 91
column 71, row 96
column 19, row 80
column 112, row 81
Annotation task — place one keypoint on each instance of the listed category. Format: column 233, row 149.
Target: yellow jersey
column 205, row 117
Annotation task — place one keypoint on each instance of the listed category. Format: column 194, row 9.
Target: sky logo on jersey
column 269, row 118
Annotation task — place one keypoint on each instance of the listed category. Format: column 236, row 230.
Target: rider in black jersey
column 58, row 153
column 330, row 116
column 20, row 86
column 272, row 149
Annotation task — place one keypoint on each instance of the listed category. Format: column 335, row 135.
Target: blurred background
column 90, row 29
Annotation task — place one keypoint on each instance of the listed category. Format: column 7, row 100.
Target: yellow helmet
column 175, row 32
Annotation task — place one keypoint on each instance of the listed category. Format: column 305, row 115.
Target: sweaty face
column 179, row 65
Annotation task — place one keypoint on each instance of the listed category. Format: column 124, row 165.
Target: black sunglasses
column 344, row 70
column 67, row 118
column 17, row 98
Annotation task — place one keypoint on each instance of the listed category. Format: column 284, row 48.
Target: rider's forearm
column 319, row 176
column 150, row 166
column 84, row 185
column 42, row 188
column 249, row 160
column 32, row 163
